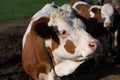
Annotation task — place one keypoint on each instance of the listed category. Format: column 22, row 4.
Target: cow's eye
column 64, row 32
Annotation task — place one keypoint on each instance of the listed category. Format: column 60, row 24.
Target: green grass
column 21, row 9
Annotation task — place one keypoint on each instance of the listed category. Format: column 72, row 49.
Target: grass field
column 21, row 9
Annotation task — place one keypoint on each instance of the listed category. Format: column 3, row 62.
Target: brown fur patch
column 54, row 45
column 97, row 13
column 70, row 47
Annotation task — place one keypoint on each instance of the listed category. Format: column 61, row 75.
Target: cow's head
column 107, row 13
column 75, row 42
column 103, row 14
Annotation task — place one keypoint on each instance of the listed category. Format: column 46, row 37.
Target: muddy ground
column 11, row 34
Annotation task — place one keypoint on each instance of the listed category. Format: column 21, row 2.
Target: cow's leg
column 66, row 67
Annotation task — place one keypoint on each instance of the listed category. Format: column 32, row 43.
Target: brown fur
column 70, row 47
column 33, row 57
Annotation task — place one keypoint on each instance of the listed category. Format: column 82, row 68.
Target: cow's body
column 65, row 38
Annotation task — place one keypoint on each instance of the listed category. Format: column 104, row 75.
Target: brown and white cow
column 65, row 38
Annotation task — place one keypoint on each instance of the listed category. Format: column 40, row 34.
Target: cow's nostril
column 93, row 45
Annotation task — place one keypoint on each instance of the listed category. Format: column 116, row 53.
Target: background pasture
column 22, row 9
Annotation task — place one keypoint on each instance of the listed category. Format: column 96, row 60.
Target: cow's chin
column 93, row 54
column 87, row 52
column 81, row 59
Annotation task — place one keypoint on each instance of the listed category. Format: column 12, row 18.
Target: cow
column 63, row 37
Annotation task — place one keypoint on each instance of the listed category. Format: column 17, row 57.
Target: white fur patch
column 43, row 76
column 67, row 7
column 49, row 76
column 115, row 38
column 48, row 43
column 78, row 3
column 91, row 14
column 107, row 9
column 66, row 67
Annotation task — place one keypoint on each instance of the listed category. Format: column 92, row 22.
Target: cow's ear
column 95, row 10
column 41, row 27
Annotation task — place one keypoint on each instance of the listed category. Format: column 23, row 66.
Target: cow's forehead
column 107, row 9
column 62, row 19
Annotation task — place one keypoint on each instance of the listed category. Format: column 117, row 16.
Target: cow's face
column 75, row 42
column 107, row 13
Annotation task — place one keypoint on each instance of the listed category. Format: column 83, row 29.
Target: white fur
column 68, row 8
column 49, row 76
column 43, row 76
column 66, row 67
column 115, row 38
column 48, row 43
column 78, row 3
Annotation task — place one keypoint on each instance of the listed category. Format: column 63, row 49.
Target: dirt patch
column 11, row 34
